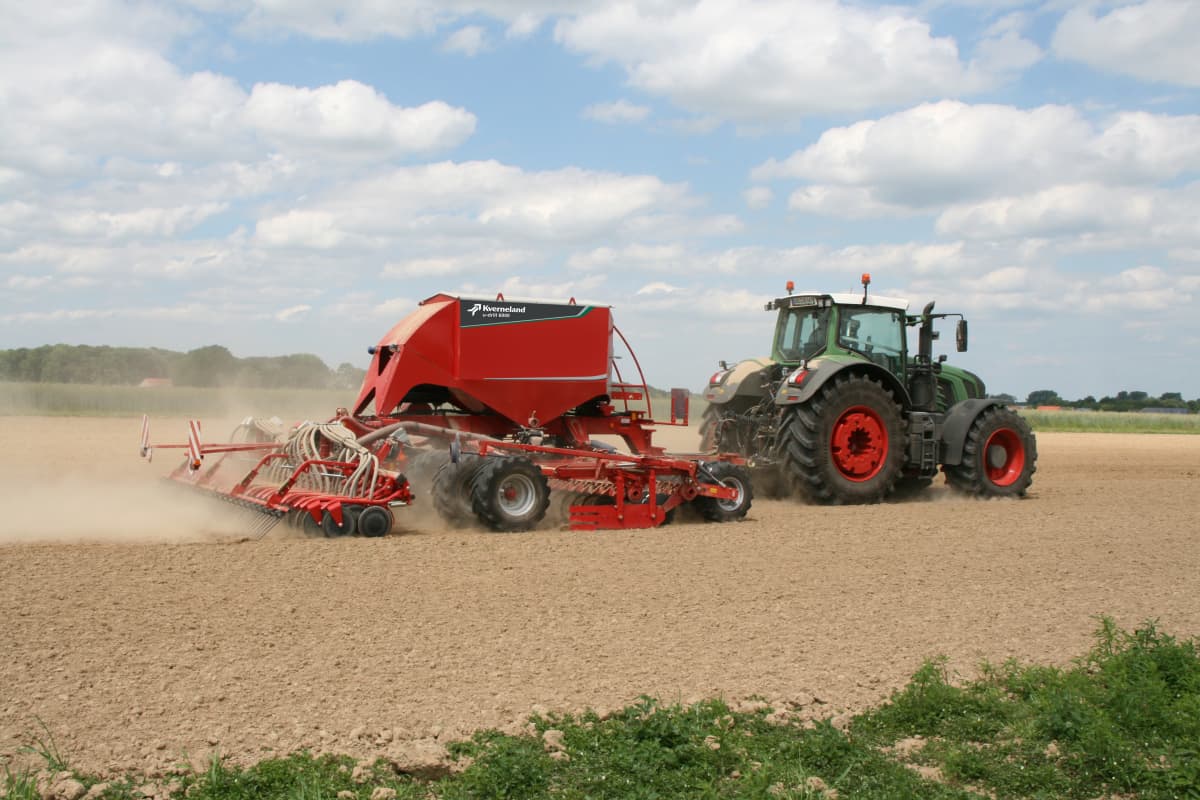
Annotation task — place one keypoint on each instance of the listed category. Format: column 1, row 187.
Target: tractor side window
column 802, row 334
column 877, row 333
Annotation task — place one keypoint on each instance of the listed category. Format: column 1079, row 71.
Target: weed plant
column 1122, row 721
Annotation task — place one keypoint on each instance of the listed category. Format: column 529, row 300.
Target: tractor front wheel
column 845, row 445
column 999, row 456
column 733, row 477
column 509, row 494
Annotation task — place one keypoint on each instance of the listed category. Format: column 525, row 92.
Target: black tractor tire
column 999, row 456
column 509, row 493
column 374, row 521
column 845, row 445
column 452, row 489
column 730, row 475
column 709, row 422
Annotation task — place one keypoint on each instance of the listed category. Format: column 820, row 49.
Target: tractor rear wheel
column 730, row 476
column 509, row 493
column 845, row 445
column 999, row 456
column 452, row 489
column 710, row 422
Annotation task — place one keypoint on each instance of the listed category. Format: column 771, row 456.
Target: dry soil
column 141, row 629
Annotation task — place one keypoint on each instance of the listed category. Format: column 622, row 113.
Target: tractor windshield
column 801, row 333
column 877, row 333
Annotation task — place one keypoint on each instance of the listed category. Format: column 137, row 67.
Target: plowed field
column 140, row 628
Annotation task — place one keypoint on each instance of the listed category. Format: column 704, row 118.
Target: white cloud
column 617, row 112
column 481, row 199
column 774, row 60
column 1065, row 210
column 634, row 256
column 758, row 197
column 658, row 287
column 849, row 202
column 1006, row 53
column 352, row 118
column 347, row 21
column 354, row 20
column 300, row 228
column 142, row 222
column 481, row 261
column 470, row 40
column 983, row 164
column 556, row 291
column 133, row 103
column 940, row 152
column 1153, row 41
column 292, row 313
column 27, row 282
column 1142, row 288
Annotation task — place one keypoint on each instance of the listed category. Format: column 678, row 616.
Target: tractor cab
column 851, row 327
column 846, row 325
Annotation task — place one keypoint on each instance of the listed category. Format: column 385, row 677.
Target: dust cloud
column 78, row 509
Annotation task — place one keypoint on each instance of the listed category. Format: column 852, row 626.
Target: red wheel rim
column 1004, row 457
column 859, row 444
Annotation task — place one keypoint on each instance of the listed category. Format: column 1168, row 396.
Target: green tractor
column 842, row 412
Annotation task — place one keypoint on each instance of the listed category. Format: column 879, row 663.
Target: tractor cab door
column 876, row 334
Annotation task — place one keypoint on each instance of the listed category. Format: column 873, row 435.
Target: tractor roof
column 847, row 299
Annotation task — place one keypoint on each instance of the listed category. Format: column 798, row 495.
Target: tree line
column 212, row 366
column 1122, row 401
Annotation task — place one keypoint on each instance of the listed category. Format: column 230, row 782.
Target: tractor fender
column 958, row 422
column 743, row 381
column 816, row 373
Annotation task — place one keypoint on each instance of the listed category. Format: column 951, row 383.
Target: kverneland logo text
column 486, row 309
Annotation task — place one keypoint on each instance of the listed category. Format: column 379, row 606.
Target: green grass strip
column 1122, row 721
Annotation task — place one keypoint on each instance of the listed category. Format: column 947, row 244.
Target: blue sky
column 282, row 176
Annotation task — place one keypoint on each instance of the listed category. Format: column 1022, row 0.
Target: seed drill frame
column 500, row 402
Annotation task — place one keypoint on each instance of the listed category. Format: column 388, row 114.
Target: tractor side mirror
column 960, row 336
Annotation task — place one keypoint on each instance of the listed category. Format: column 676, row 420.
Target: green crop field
column 1068, row 421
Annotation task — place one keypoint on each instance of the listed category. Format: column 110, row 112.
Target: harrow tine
column 264, row 524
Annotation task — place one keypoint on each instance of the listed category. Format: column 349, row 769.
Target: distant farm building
column 155, row 383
